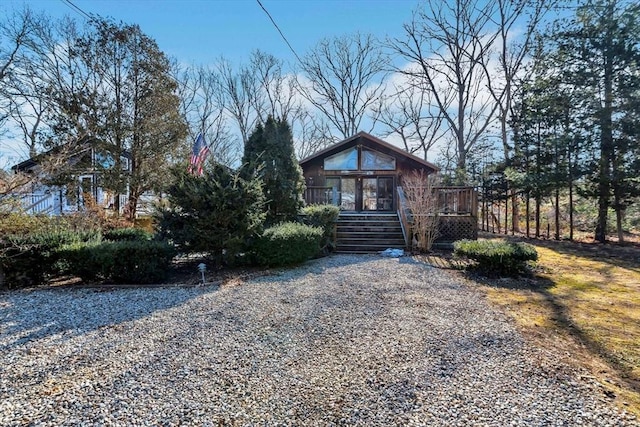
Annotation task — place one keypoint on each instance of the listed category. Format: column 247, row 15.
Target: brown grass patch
column 583, row 303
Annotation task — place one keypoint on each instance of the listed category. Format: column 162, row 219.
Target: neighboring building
column 63, row 176
column 359, row 174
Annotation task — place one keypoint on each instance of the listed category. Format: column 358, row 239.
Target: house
column 359, row 174
column 363, row 176
column 61, row 179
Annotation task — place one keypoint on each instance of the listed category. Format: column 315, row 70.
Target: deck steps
column 368, row 232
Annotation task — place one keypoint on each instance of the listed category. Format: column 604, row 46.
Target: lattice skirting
column 457, row 227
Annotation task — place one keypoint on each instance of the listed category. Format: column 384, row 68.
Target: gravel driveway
column 344, row 340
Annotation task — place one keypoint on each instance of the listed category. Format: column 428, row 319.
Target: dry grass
column 584, row 303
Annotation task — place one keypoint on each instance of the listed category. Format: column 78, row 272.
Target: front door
column 348, row 194
column 362, row 194
column 377, row 194
column 385, row 193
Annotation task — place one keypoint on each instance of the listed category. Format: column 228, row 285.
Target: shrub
column 119, row 262
column 128, row 234
column 287, row 243
column 323, row 216
column 218, row 213
column 27, row 260
column 21, row 224
column 497, row 256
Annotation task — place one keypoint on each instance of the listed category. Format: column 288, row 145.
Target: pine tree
column 601, row 51
column 218, row 212
column 269, row 154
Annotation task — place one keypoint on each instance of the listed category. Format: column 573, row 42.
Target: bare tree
column 512, row 52
column 27, row 106
column 201, row 108
column 275, row 91
column 409, row 113
column 344, row 80
column 251, row 93
column 313, row 134
column 16, row 29
column 422, row 200
column 448, row 46
column 236, row 92
column 16, row 35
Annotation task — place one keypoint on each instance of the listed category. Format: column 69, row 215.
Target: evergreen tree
column 218, row 212
column 601, row 52
column 269, row 155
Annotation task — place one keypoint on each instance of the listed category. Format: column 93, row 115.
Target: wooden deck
column 361, row 232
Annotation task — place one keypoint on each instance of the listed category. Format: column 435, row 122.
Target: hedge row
column 127, row 261
column 30, row 259
column 27, row 260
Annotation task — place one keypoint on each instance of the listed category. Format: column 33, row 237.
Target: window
column 346, row 160
column 373, row 160
column 104, row 160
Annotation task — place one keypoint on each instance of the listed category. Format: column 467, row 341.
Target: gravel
column 343, row 340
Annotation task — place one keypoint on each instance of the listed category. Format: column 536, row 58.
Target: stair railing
column 33, row 203
column 404, row 213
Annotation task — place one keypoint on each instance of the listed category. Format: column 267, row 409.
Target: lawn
column 584, row 300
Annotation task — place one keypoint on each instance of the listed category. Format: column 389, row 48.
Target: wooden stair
column 368, row 232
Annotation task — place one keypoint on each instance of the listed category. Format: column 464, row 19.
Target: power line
column 77, row 9
column 279, row 31
column 80, row 11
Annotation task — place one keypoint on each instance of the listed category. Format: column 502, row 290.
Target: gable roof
column 335, row 148
column 69, row 150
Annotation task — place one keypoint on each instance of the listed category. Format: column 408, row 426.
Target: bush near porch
column 497, row 257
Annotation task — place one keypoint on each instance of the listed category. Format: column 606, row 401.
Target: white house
column 63, row 176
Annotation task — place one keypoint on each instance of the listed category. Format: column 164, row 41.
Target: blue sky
column 200, row 31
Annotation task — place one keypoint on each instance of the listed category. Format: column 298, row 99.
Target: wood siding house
column 363, row 176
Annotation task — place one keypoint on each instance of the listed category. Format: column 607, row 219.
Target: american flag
column 198, row 154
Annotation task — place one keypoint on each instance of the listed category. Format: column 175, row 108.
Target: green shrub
column 287, row 243
column 128, row 234
column 497, row 256
column 325, row 217
column 27, row 260
column 218, row 213
column 21, row 224
column 119, row 262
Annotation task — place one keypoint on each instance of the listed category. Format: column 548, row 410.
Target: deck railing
column 321, row 195
column 457, row 201
column 457, row 210
column 34, row 203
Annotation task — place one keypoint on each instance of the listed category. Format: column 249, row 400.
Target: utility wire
column 279, row 31
column 76, row 8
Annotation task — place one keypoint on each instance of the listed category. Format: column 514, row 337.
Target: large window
column 344, row 161
column 375, row 161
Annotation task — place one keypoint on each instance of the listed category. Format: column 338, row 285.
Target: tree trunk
column 537, row 216
column 557, row 214
column 506, row 214
column 132, row 206
column 570, row 209
column 528, row 213
column 570, row 170
column 515, row 212
column 606, row 137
